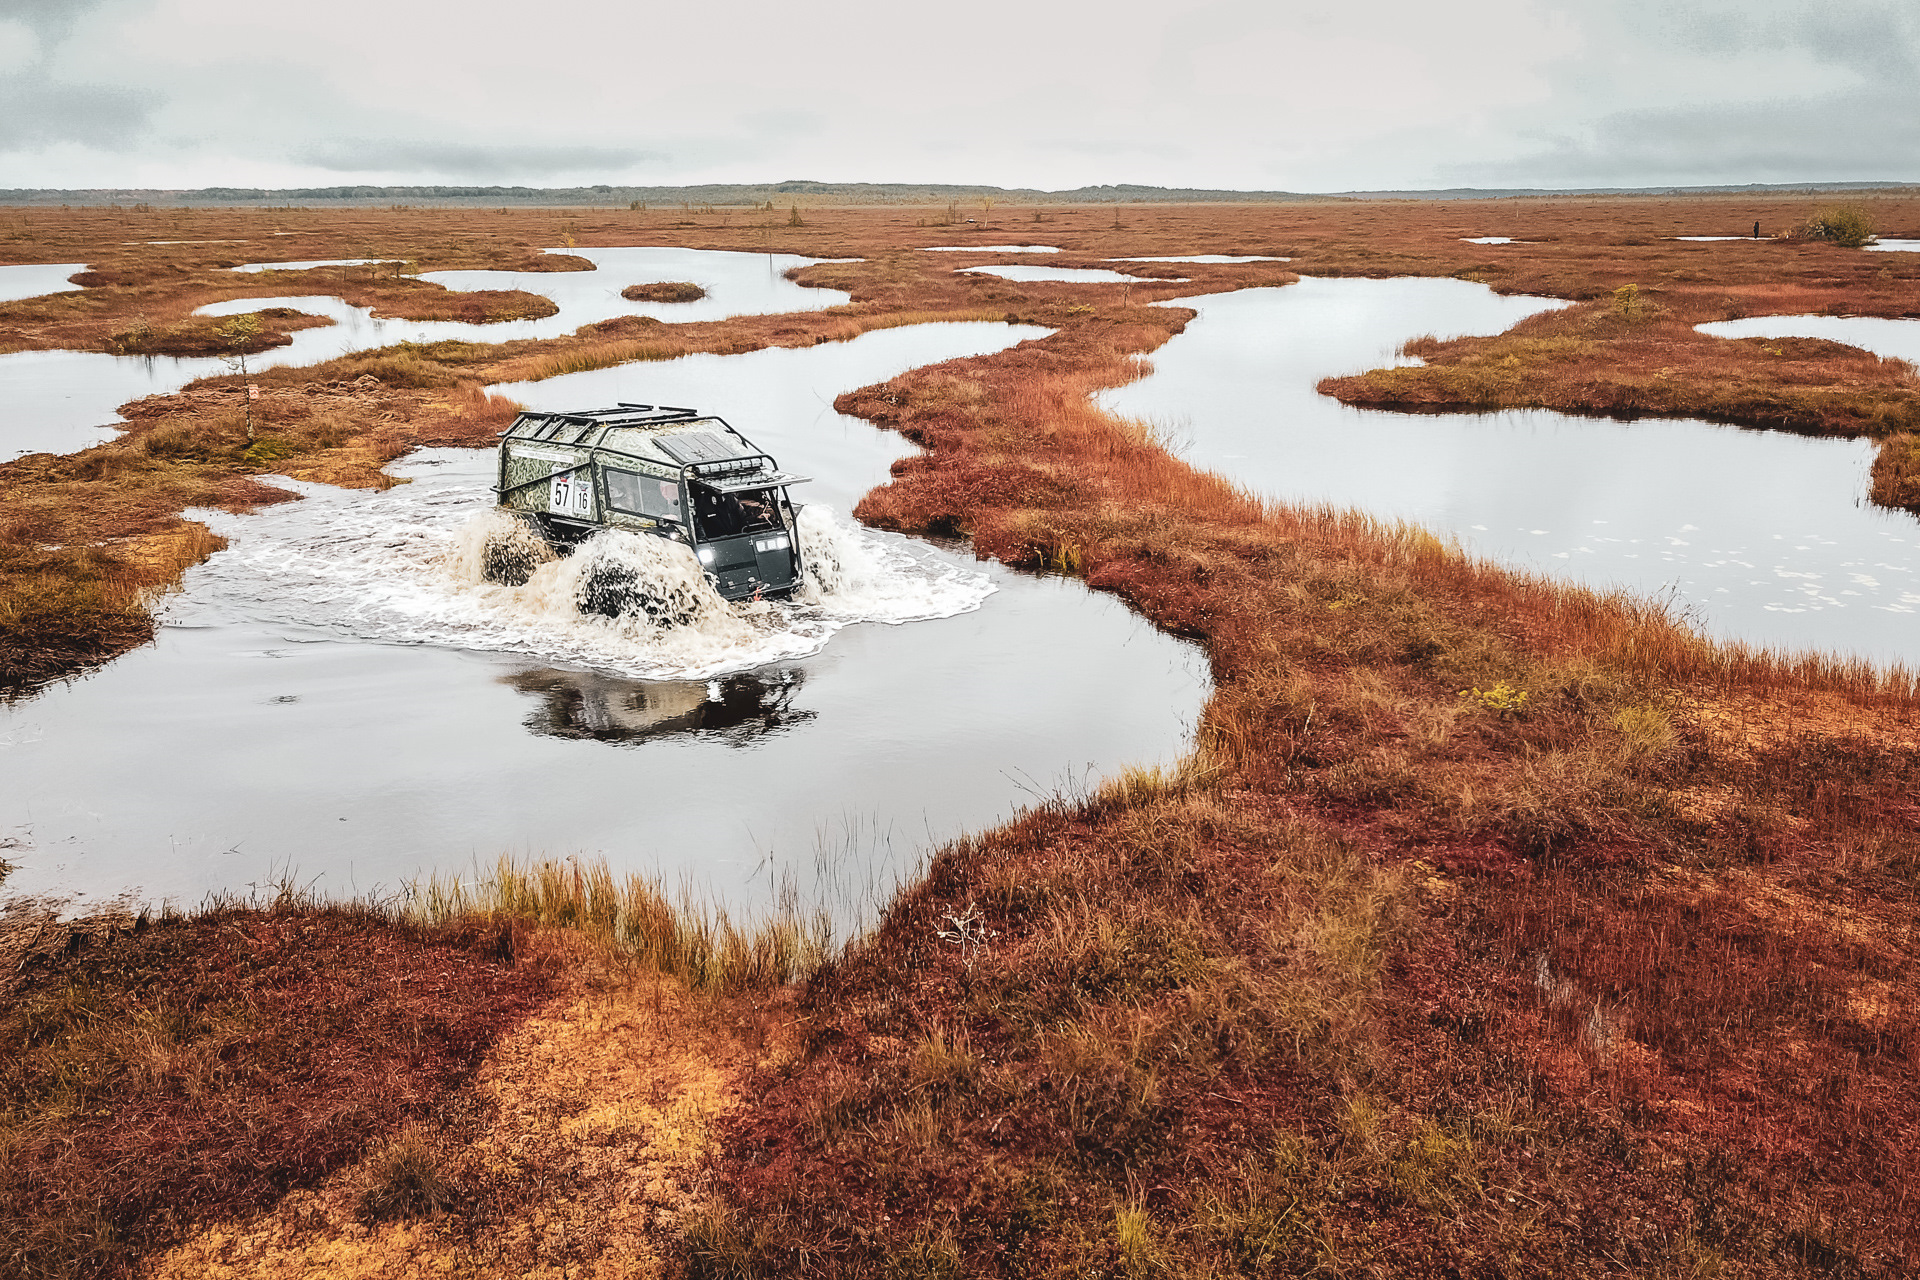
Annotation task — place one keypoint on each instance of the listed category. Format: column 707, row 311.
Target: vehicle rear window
column 643, row 495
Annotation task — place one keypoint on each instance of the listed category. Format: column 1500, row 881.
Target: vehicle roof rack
column 657, row 412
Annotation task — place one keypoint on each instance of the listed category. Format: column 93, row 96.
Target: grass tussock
column 64, row 609
column 664, row 291
column 696, row 943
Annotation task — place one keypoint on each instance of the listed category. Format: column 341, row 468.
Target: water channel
column 1756, row 536
column 337, row 699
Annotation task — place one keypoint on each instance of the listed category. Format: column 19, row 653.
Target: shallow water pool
column 37, row 280
column 1204, row 257
column 1899, row 339
column 1061, row 275
column 1752, row 535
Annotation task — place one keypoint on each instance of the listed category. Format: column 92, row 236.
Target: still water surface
column 329, row 697
column 1204, row 257
column 1899, row 339
column 1757, row 536
column 1063, row 275
column 36, row 280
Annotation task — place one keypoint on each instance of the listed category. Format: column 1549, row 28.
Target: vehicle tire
column 512, row 552
column 617, row 591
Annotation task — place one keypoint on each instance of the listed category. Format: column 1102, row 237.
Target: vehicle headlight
column 706, row 555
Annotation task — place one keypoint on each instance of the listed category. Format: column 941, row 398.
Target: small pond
column 1753, row 535
column 37, row 280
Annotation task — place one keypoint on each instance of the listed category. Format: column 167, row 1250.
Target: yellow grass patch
column 595, row 1116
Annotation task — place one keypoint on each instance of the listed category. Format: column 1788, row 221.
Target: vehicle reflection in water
column 737, row 710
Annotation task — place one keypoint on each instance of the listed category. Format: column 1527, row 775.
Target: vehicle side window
column 643, row 495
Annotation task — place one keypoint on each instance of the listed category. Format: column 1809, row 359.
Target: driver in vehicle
column 722, row 515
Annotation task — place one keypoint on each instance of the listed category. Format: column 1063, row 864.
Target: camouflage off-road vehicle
column 673, row 473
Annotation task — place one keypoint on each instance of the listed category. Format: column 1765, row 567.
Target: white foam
column 404, row 566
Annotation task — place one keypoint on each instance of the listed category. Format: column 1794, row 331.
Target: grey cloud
column 470, row 160
column 1876, row 39
column 1868, row 135
column 52, row 20
column 35, row 111
column 1873, row 42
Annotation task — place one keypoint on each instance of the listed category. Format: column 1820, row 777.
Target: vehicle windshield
column 727, row 515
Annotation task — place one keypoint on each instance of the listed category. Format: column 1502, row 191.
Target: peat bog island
column 1479, row 921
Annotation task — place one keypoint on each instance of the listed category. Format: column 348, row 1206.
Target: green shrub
column 1846, row 225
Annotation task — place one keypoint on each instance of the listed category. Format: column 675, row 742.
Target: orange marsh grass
column 834, row 325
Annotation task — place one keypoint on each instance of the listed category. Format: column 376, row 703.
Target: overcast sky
column 1271, row 94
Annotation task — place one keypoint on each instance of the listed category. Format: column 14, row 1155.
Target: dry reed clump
column 1849, row 225
column 694, row 942
column 405, row 1180
column 65, row 609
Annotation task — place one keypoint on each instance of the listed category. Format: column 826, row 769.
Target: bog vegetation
column 1492, row 927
